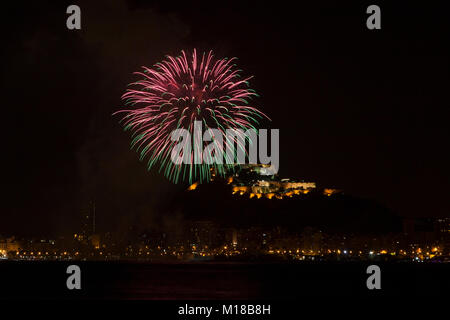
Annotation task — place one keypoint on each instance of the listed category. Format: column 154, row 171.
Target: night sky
column 360, row 110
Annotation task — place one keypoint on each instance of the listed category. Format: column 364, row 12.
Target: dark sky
column 364, row 111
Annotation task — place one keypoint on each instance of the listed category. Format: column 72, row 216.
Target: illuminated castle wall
column 259, row 181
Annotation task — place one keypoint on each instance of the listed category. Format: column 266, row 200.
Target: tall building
column 88, row 227
column 203, row 234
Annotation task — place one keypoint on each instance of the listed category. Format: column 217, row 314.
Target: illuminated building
column 9, row 244
column 259, row 181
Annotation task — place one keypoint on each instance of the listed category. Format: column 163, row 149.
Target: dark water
column 209, row 280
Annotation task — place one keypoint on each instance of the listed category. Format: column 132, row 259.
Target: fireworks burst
column 175, row 93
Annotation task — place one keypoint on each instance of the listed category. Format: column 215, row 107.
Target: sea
column 210, row 280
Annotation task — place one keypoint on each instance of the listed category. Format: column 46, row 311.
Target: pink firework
column 175, row 93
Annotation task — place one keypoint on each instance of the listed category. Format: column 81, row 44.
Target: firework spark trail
column 175, row 93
